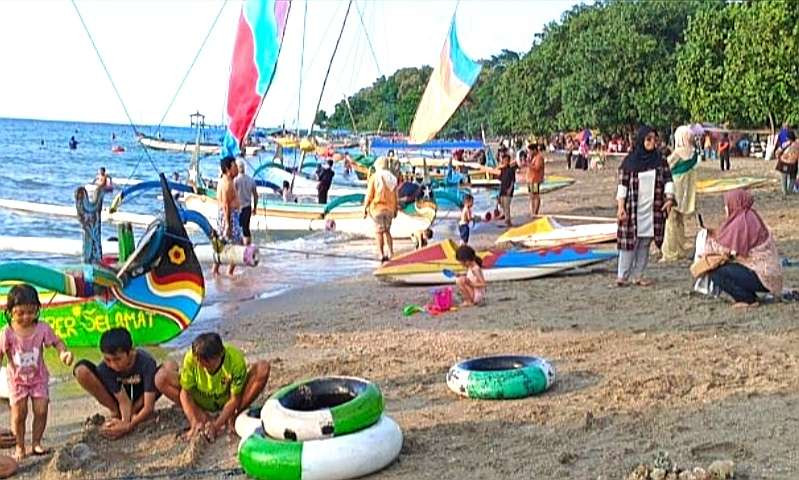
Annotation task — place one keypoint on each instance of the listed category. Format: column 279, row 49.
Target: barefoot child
column 467, row 217
column 124, row 382
column 23, row 342
column 472, row 285
column 214, row 384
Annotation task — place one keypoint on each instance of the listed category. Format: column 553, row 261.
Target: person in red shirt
column 724, row 152
column 535, row 176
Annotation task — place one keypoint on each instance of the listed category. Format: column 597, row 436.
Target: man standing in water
column 228, row 219
column 248, row 199
column 381, row 204
column 325, row 180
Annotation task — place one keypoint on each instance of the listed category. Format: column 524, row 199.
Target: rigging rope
column 368, row 40
column 329, row 65
column 186, row 76
column 302, row 57
column 321, row 93
column 110, row 79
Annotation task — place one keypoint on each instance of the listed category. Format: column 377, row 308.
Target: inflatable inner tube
column 321, row 408
column 501, row 377
column 247, row 422
column 348, row 456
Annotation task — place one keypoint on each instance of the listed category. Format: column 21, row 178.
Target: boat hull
column 189, row 147
column 81, row 321
column 428, row 265
column 545, row 232
column 280, row 216
column 491, row 275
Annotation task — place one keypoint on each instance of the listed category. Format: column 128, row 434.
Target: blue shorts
column 463, row 230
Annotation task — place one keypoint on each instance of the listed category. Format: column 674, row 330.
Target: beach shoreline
column 639, row 370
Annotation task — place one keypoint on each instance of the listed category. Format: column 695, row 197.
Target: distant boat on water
column 188, row 147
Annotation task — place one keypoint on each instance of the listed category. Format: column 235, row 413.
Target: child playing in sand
column 466, row 218
column 472, row 285
column 124, row 382
column 421, row 238
column 213, row 386
column 23, row 342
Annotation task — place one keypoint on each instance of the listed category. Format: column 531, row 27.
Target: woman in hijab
column 644, row 199
column 682, row 162
column 755, row 265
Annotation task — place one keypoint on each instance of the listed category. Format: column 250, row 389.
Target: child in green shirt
column 213, row 385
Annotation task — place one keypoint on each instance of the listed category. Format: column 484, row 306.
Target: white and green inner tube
column 322, row 408
column 339, row 458
column 501, row 377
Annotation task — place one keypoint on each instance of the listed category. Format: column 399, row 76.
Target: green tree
column 700, row 63
column 761, row 67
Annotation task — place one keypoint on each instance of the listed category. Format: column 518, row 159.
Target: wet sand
column 639, row 370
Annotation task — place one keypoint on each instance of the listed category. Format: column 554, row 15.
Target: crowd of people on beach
column 656, row 194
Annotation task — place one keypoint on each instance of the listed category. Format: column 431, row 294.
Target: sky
column 51, row 71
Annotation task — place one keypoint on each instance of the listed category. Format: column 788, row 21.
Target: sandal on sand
column 39, row 450
column 622, row 283
column 644, row 282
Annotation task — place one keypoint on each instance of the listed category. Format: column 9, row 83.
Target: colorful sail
column 449, row 84
column 255, row 53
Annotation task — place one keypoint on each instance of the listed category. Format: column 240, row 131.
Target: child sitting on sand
column 467, row 217
column 124, row 382
column 421, row 238
column 472, row 285
column 213, row 386
column 23, row 342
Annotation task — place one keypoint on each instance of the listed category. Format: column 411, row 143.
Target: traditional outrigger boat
column 436, row 264
column 343, row 214
column 187, row 147
column 154, row 290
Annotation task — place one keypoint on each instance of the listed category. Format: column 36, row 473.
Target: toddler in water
column 466, row 218
column 23, row 342
column 472, row 285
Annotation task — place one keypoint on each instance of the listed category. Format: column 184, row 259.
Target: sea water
column 38, row 166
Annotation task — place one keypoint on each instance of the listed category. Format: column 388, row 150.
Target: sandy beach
column 639, row 370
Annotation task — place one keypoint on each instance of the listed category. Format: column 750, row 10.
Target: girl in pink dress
column 23, row 342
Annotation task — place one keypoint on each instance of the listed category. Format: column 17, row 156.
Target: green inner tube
column 263, row 457
column 354, row 403
column 501, row 377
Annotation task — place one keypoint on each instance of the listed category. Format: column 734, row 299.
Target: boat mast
column 196, row 120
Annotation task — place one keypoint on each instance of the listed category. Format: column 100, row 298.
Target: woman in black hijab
column 645, row 196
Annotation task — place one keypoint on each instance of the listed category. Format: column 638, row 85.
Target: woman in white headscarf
column 381, row 204
column 683, row 162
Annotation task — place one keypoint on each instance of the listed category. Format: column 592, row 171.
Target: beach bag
column 441, row 302
column 707, row 263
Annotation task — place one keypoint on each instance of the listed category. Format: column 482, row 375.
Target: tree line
column 613, row 65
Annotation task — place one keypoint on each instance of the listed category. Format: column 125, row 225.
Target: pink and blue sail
column 449, row 84
column 259, row 37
